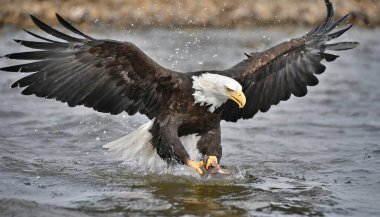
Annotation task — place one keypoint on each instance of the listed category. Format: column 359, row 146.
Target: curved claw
column 211, row 161
column 197, row 165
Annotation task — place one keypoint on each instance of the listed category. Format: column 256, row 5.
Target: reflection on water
column 315, row 156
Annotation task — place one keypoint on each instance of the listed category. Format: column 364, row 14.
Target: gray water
column 313, row 156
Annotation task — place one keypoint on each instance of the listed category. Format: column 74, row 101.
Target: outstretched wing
column 288, row 68
column 108, row 76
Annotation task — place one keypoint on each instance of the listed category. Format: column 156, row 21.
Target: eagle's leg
column 169, row 147
column 209, row 145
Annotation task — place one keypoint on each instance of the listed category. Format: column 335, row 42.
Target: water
column 312, row 156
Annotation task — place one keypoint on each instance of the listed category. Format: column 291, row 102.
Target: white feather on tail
column 136, row 148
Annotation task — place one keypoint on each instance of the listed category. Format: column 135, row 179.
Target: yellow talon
column 211, row 160
column 196, row 165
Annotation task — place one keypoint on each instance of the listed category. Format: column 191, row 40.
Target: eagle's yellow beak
column 238, row 97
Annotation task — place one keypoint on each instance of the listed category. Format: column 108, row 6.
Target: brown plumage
column 113, row 77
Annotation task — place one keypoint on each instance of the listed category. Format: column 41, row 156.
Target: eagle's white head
column 215, row 90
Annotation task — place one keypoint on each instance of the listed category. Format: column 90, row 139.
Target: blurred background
column 185, row 13
column 318, row 155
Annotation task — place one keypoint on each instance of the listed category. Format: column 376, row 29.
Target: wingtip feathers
column 70, row 27
column 52, row 31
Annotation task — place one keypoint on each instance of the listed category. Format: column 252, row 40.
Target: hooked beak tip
column 238, row 97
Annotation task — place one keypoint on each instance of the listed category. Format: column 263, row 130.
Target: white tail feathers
column 136, row 148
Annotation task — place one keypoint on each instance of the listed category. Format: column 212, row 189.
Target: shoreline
column 185, row 13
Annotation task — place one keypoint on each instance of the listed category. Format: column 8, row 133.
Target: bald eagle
column 184, row 108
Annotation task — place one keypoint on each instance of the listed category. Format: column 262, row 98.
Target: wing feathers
column 329, row 57
column 72, row 28
column 339, row 32
column 286, row 69
column 53, row 31
column 296, row 87
column 341, row 46
column 27, row 67
column 332, row 26
column 43, row 45
column 40, row 37
column 109, row 76
column 85, row 86
column 45, row 69
column 330, row 13
column 41, row 55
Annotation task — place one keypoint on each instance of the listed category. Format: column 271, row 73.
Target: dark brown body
column 181, row 118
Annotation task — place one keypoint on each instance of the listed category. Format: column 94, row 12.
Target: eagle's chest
column 199, row 123
column 192, row 117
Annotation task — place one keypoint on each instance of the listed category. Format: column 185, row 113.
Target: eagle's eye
column 228, row 89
